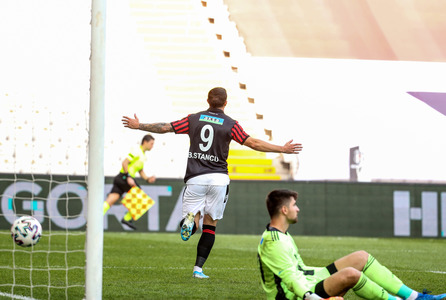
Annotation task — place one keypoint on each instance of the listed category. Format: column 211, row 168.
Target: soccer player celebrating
column 285, row 276
column 207, row 180
column 125, row 180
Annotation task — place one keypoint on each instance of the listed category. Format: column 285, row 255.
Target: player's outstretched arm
column 260, row 145
column 153, row 127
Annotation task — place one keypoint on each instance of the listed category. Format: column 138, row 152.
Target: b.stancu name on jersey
column 202, row 156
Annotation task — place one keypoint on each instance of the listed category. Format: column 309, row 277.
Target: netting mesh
column 44, row 102
column 44, row 167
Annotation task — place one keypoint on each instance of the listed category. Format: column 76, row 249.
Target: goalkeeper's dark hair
column 278, row 198
column 147, row 138
column 217, row 97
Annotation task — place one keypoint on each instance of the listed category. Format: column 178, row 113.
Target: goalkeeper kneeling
column 285, row 276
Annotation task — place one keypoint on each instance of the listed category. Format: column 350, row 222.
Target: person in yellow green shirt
column 125, row 180
column 284, row 275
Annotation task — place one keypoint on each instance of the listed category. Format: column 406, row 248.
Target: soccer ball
column 26, row 231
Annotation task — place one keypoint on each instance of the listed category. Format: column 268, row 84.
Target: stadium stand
column 191, row 46
column 195, row 47
column 33, row 135
column 406, row 31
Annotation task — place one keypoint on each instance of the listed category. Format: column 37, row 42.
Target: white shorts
column 206, row 199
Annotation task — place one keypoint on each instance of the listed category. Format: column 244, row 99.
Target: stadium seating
column 247, row 164
column 196, row 47
column 189, row 47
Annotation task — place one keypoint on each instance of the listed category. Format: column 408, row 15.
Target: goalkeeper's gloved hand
column 312, row 296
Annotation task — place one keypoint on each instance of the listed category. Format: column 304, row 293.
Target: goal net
column 44, row 136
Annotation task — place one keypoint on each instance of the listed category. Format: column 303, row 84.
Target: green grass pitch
column 159, row 265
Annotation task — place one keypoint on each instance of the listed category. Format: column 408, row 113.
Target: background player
column 125, row 180
column 207, row 180
column 285, row 275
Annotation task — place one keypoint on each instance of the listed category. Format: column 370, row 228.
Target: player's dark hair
column 278, row 198
column 147, row 138
column 217, row 97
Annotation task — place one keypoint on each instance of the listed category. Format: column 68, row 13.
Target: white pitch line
column 438, row 272
column 11, row 296
column 176, row 268
column 418, row 271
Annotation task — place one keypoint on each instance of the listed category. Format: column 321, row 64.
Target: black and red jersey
column 210, row 133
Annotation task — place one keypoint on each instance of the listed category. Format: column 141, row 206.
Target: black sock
column 194, row 228
column 205, row 244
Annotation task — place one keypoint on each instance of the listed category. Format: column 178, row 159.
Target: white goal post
column 95, row 233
